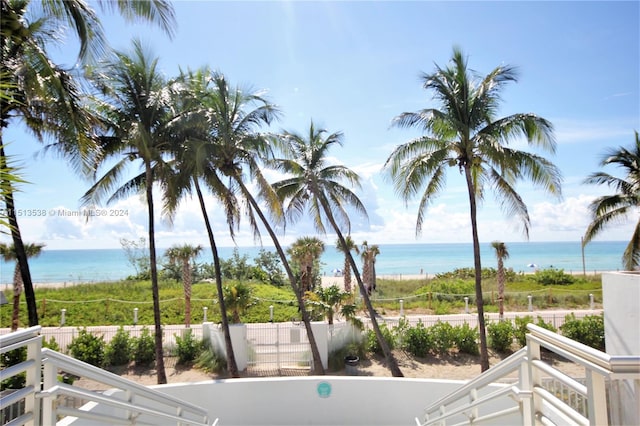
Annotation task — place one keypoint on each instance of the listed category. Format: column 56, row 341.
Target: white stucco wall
column 621, row 301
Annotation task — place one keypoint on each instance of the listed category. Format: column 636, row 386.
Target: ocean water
column 394, row 259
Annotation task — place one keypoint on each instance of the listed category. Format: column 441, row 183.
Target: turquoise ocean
column 61, row 266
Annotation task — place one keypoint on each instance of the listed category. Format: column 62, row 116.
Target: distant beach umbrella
column 532, row 265
column 337, row 271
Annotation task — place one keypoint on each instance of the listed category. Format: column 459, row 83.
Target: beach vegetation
column 373, row 342
column 588, row 330
column 501, row 335
column 418, row 340
column 465, row 133
column 118, row 350
column 552, row 276
column 143, row 350
column 624, row 203
column 187, row 346
column 325, row 190
column 209, row 361
column 466, row 339
column 88, row 347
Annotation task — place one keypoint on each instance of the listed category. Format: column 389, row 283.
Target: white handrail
column 490, row 376
column 139, row 400
column 543, row 404
column 134, row 390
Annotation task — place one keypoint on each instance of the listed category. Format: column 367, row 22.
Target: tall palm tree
column 501, row 254
column 236, row 116
column 136, row 114
column 8, row 253
column 306, row 252
column 351, row 246
column 45, row 96
column 626, row 200
column 465, row 133
column 316, row 186
column 369, row 254
column 184, row 254
column 194, row 151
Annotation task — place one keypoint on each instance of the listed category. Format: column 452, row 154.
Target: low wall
column 327, row 400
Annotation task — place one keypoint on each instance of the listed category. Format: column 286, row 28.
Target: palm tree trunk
column 484, row 354
column 500, row 288
column 232, row 366
column 153, row 268
column 390, row 359
column 315, row 353
column 17, row 291
column 21, row 254
column 186, row 282
column 347, row 275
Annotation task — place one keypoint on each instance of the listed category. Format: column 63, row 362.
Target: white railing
column 542, row 394
column 126, row 403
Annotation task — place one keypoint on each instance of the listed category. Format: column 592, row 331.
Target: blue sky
column 352, row 67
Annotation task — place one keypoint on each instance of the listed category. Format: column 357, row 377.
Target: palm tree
column 350, row 246
column 184, row 254
column 136, row 114
column 466, row 134
column 626, row 200
column 328, row 300
column 8, row 253
column 369, row 253
column 501, row 253
column 45, row 96
column 316, row 186
column 306, row 253
column 235, row 116
column 194, row 151
column 239, row 298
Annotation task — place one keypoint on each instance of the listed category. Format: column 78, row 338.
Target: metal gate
column 278, row 347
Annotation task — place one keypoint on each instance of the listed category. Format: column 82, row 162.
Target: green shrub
column 588, row 330
column 443, row 336
column 466, row 339
column 144, row 348
column 187, row 347
column 88, row 348
column 520, row 329
column 118, row 350
column 500, row 336
column 553, row 277
column 417, row 340
column 51, row 344
column 372, row 343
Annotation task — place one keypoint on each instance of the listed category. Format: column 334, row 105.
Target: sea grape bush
column 553, row 276
column 589, row 330
column 118, row 350
column 187, row 347
column 500, row 336
column 88, row 347
column 443, row 337
column 418, row 340
column 143, row 348
column 466, row 339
